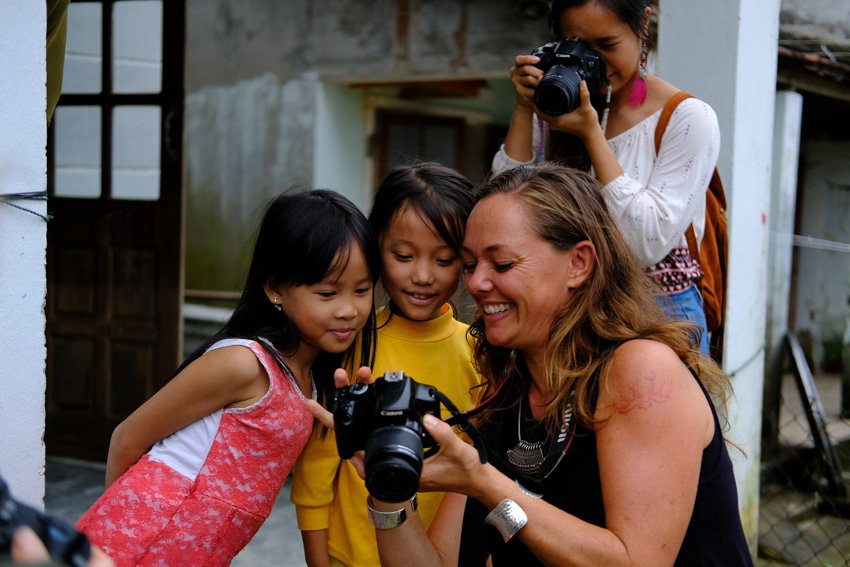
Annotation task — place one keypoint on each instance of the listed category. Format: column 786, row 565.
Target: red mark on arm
column 643, row 396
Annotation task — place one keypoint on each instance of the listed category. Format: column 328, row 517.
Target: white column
column 725, row 53
column 786, row 156
column 23, row 240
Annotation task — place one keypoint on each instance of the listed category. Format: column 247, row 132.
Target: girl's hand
column 525, row 77
column 326, row 418
column 455, row 467
column 582, row 122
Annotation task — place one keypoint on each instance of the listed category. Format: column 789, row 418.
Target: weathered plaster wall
column 23, row 240
column 821, row 295
column 244, row 144
column 823, row 275
column 354, row 39
column 828, row 19
column 267, row 89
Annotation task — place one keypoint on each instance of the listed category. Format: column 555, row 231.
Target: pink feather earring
column 638, row 92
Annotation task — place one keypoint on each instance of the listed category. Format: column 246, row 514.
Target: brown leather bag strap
column 666, row 112
column 692, row 242
column 663, row 120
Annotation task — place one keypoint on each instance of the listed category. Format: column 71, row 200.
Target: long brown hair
column 618, row 301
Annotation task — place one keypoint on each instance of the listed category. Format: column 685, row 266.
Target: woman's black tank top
column 714, row 535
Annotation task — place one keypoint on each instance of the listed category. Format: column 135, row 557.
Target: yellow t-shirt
column 328, row 493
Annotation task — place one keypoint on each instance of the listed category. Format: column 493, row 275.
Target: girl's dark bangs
column 316, row 244
column 442, row 217
column 321, row 257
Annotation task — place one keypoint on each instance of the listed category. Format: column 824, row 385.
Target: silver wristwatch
column 507, row 517
column 387, row 520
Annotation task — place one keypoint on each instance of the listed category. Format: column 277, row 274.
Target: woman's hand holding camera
column 456, row 467
column 582, row 122
column 525, row 77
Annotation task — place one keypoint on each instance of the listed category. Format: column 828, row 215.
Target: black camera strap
column 461, row 419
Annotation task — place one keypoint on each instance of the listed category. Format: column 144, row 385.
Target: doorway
column 114, row 244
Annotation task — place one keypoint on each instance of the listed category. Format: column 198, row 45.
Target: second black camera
column 65, row 545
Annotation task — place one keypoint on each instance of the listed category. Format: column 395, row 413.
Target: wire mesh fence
column 805, row 511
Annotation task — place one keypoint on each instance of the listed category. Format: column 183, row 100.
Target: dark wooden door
column 404, row 137
column 114, row 260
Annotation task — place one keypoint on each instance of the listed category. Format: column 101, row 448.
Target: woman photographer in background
column 604, row 444
column 653, row 196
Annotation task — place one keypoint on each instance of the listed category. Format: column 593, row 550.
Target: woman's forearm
column 605, row 163
column 407, row 545
column 518, row 141
column 552, row 535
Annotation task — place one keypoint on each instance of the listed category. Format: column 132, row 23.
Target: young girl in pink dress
column 193, row 473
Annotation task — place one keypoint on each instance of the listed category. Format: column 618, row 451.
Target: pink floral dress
column 200, row 495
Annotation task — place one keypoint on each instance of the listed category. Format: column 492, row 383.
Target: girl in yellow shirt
column 418, row 215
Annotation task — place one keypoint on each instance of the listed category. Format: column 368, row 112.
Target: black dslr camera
column 385, row 419
column 564, row 65
column 62, row 541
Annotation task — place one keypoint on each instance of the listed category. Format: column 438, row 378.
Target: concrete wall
column 786, row 150
column 827, row 19
column 823, row 289
column 22, row 248
column 821, row 299
column 351, row 40
column 268, row 98
column 245, row 143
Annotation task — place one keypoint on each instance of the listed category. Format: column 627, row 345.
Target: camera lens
column 558, row 91
column 393, row 463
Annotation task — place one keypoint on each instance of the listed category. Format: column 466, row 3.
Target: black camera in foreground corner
column 565, row 64
column 63, row 542
column 385, row 419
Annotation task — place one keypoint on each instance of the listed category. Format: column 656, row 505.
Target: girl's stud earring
column 276, row 306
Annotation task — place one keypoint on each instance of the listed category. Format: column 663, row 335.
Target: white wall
column 823, row 287
column 245, row 143
column 786, row 155
column 22, row 247
column 339, row 154
column 727, row 56
column 818, row 18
